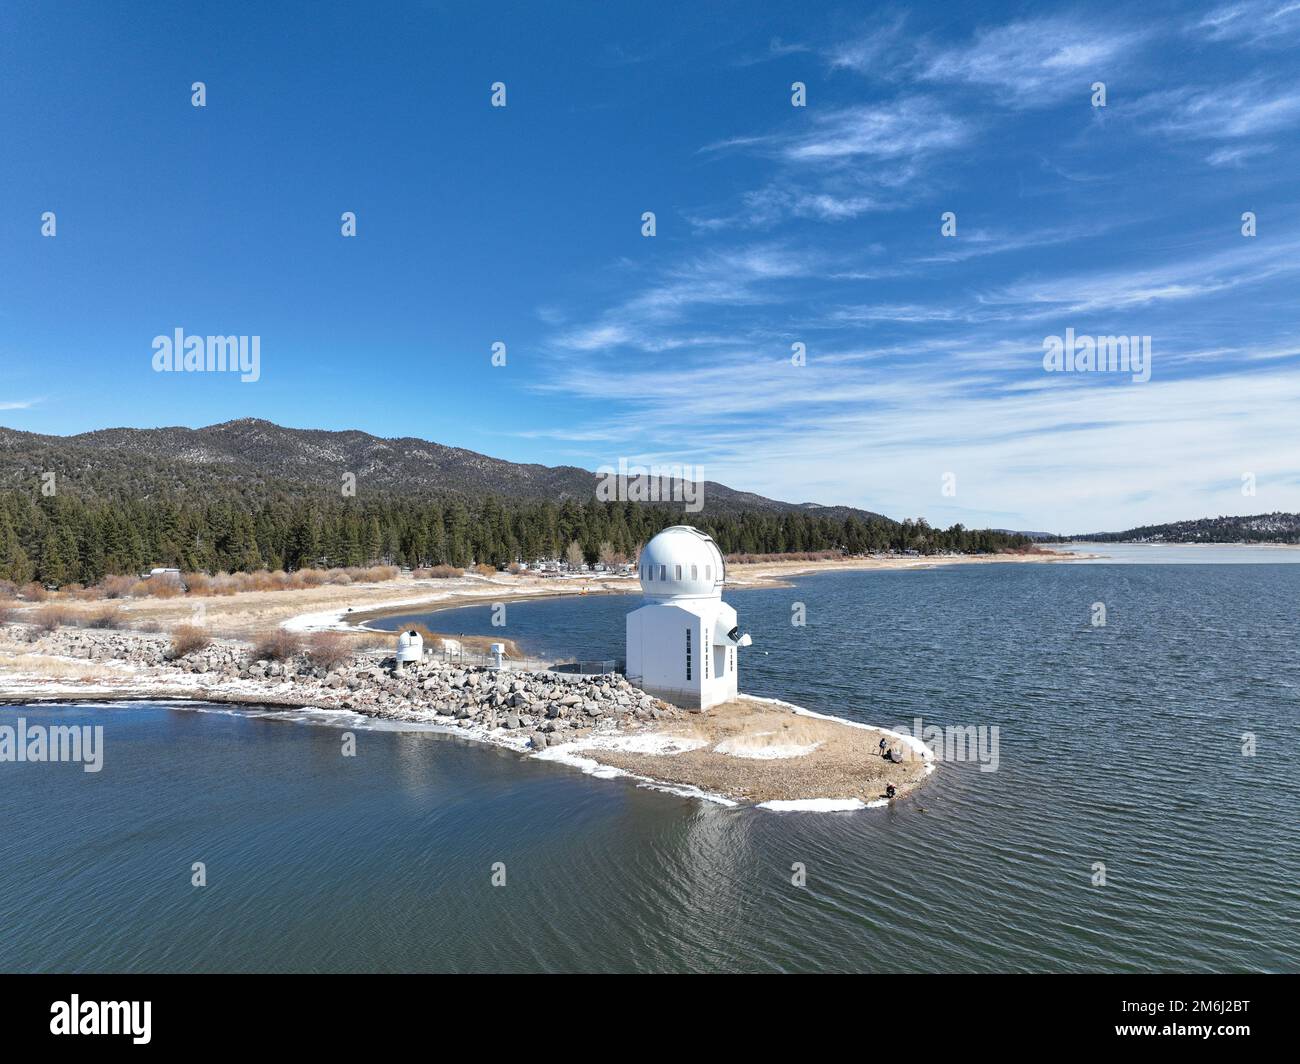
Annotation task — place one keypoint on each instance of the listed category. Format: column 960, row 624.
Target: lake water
column 1119, row 745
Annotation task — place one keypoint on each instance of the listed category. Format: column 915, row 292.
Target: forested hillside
column 118, row 506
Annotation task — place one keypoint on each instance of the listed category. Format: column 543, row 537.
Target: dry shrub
column 198, row 583
column 187, row 638
column 8, row 611
column 107, row 617
column 443, row 572
column 279, row 645
column 164, row 589
column 116, row 586
column 486, row 570
column 148, row 626
column 329, row 650
column 50, row 617
column 309, row 577
column 258, row 581
column 514, row 568
column 34, row 592
column 791, row 556
column 338, row 576
column 8, row 589
column 224, row 584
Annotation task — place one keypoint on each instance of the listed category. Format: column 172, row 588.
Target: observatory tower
column 681, row 645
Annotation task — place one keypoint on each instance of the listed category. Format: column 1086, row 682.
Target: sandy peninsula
column 748, row 751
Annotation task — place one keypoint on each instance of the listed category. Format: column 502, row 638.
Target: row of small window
column 648, row 572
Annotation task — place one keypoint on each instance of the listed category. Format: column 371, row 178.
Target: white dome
column 681, row 562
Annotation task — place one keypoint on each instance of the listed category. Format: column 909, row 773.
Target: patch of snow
column 742, row 746
column 818, row 805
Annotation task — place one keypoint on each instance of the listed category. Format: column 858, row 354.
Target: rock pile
column 547, row 707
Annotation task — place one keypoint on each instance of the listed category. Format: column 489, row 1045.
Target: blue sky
column 775, row 225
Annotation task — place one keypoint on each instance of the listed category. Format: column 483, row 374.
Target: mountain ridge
column 265, row 456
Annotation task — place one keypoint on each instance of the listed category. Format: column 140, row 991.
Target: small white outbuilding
column 681, row 645
column 410, row 648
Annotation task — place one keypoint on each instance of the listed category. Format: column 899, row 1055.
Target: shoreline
column 757, row 752
column 751, row 576
column 351, row 607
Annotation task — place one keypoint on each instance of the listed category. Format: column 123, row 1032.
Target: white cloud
column 1033, row 61
column 1266, row 23
column 1248, row 108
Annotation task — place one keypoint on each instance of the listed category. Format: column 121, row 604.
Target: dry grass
column 8, row 611
column 52, row 668
column 52, row 616
column 34, row 592
column 187, row 638
column 486, row 570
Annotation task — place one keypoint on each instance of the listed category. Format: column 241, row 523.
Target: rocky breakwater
column 523, row 709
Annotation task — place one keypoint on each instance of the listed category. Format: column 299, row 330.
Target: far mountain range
column 263, row 458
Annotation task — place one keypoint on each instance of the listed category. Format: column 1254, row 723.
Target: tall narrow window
column 679, row 572
column 663, row 572
column 688, row 653
column 695, row 572
column 708, row 572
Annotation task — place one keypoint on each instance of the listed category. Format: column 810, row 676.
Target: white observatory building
column 681, row 645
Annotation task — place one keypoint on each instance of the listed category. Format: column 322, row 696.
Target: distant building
column 681, row 645
column 163, row 576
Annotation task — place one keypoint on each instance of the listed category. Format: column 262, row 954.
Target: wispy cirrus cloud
column 1033, row 61
column 1252, row 107
column 1259, row 23
column 744, row 276
column 853, row 160
column 906, row 128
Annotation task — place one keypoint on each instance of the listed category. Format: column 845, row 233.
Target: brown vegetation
column 791, row 556
column 279, row 645
column 200, row 585
column 187, row 638
column 53, row 616
column 329, row 650
column 107, row 617
column 439, row 572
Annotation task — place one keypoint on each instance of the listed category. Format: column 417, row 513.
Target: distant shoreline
column 740, row 577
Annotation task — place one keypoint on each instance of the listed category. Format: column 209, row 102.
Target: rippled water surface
column 1119, row 744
